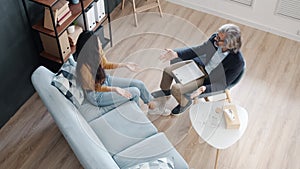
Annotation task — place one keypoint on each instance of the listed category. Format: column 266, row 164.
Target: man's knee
column 168, row 70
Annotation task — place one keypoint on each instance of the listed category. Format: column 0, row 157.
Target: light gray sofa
column 103, row 138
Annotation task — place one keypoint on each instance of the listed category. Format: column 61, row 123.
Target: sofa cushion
column 65, row 81
column 161, row 163
column 152, row 148
column 91, row 112
column 123, row 127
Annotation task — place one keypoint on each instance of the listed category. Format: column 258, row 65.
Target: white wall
column 260, row 15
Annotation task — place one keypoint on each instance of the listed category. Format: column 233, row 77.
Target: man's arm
column 201, row 53
column 204, row 51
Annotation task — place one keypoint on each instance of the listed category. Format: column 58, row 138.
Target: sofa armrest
column 84, row 142
column 152, row 148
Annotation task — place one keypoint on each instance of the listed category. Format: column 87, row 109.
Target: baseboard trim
column 265, row 28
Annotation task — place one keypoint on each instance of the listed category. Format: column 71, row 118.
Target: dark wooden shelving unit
column 77, row 10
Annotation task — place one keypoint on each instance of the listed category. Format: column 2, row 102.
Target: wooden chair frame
column 143, row 8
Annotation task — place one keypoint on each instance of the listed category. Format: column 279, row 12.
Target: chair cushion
column 152, row 148
column 65, row 81
column 123, row 127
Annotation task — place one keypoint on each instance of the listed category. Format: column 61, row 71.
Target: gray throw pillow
column 161, row 163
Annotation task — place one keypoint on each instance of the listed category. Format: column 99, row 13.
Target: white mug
column 71, row 29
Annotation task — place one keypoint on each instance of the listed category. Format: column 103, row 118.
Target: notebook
column 188, row 73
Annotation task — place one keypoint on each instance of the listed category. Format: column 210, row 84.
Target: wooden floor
column 269, row 91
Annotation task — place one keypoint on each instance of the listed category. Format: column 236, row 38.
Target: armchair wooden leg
column 227, row 92
column 159, row 8
column 134, row 12
column 123, row 3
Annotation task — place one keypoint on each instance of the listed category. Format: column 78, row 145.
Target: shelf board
column 98, row 24
column 47, row 3
column 50, row 3
column 87, row 3
column 76, row 11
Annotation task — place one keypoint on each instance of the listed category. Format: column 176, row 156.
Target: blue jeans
column 136, row 87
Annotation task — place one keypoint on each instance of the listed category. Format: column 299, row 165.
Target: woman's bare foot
column 156, row 107
column 151, row 105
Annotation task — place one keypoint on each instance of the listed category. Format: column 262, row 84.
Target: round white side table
column 211, row 126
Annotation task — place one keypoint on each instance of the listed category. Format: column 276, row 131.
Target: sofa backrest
column 84, row 142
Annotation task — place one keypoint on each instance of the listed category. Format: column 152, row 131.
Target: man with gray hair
column 219, row 58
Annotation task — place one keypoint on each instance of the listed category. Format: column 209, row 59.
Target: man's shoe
column 161, row 93
column 180, row 109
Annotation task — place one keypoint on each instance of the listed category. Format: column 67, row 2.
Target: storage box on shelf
column 58, row 16
column 51, row 47
column 90, row 21
column 95, row 16
column 99, row 10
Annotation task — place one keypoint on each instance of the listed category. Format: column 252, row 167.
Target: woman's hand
column 168, row 55
column 122, row 92
column 197, row 92
column 131, row 66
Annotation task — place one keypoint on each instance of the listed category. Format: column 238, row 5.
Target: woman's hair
column 82, row 39
column 233, row 37
column 88, row 70
column 100, row 75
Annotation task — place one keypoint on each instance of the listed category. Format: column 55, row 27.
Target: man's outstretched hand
column 131, row 66
column 168, row 55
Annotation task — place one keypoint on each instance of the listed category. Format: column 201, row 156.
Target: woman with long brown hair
column 102, row 89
